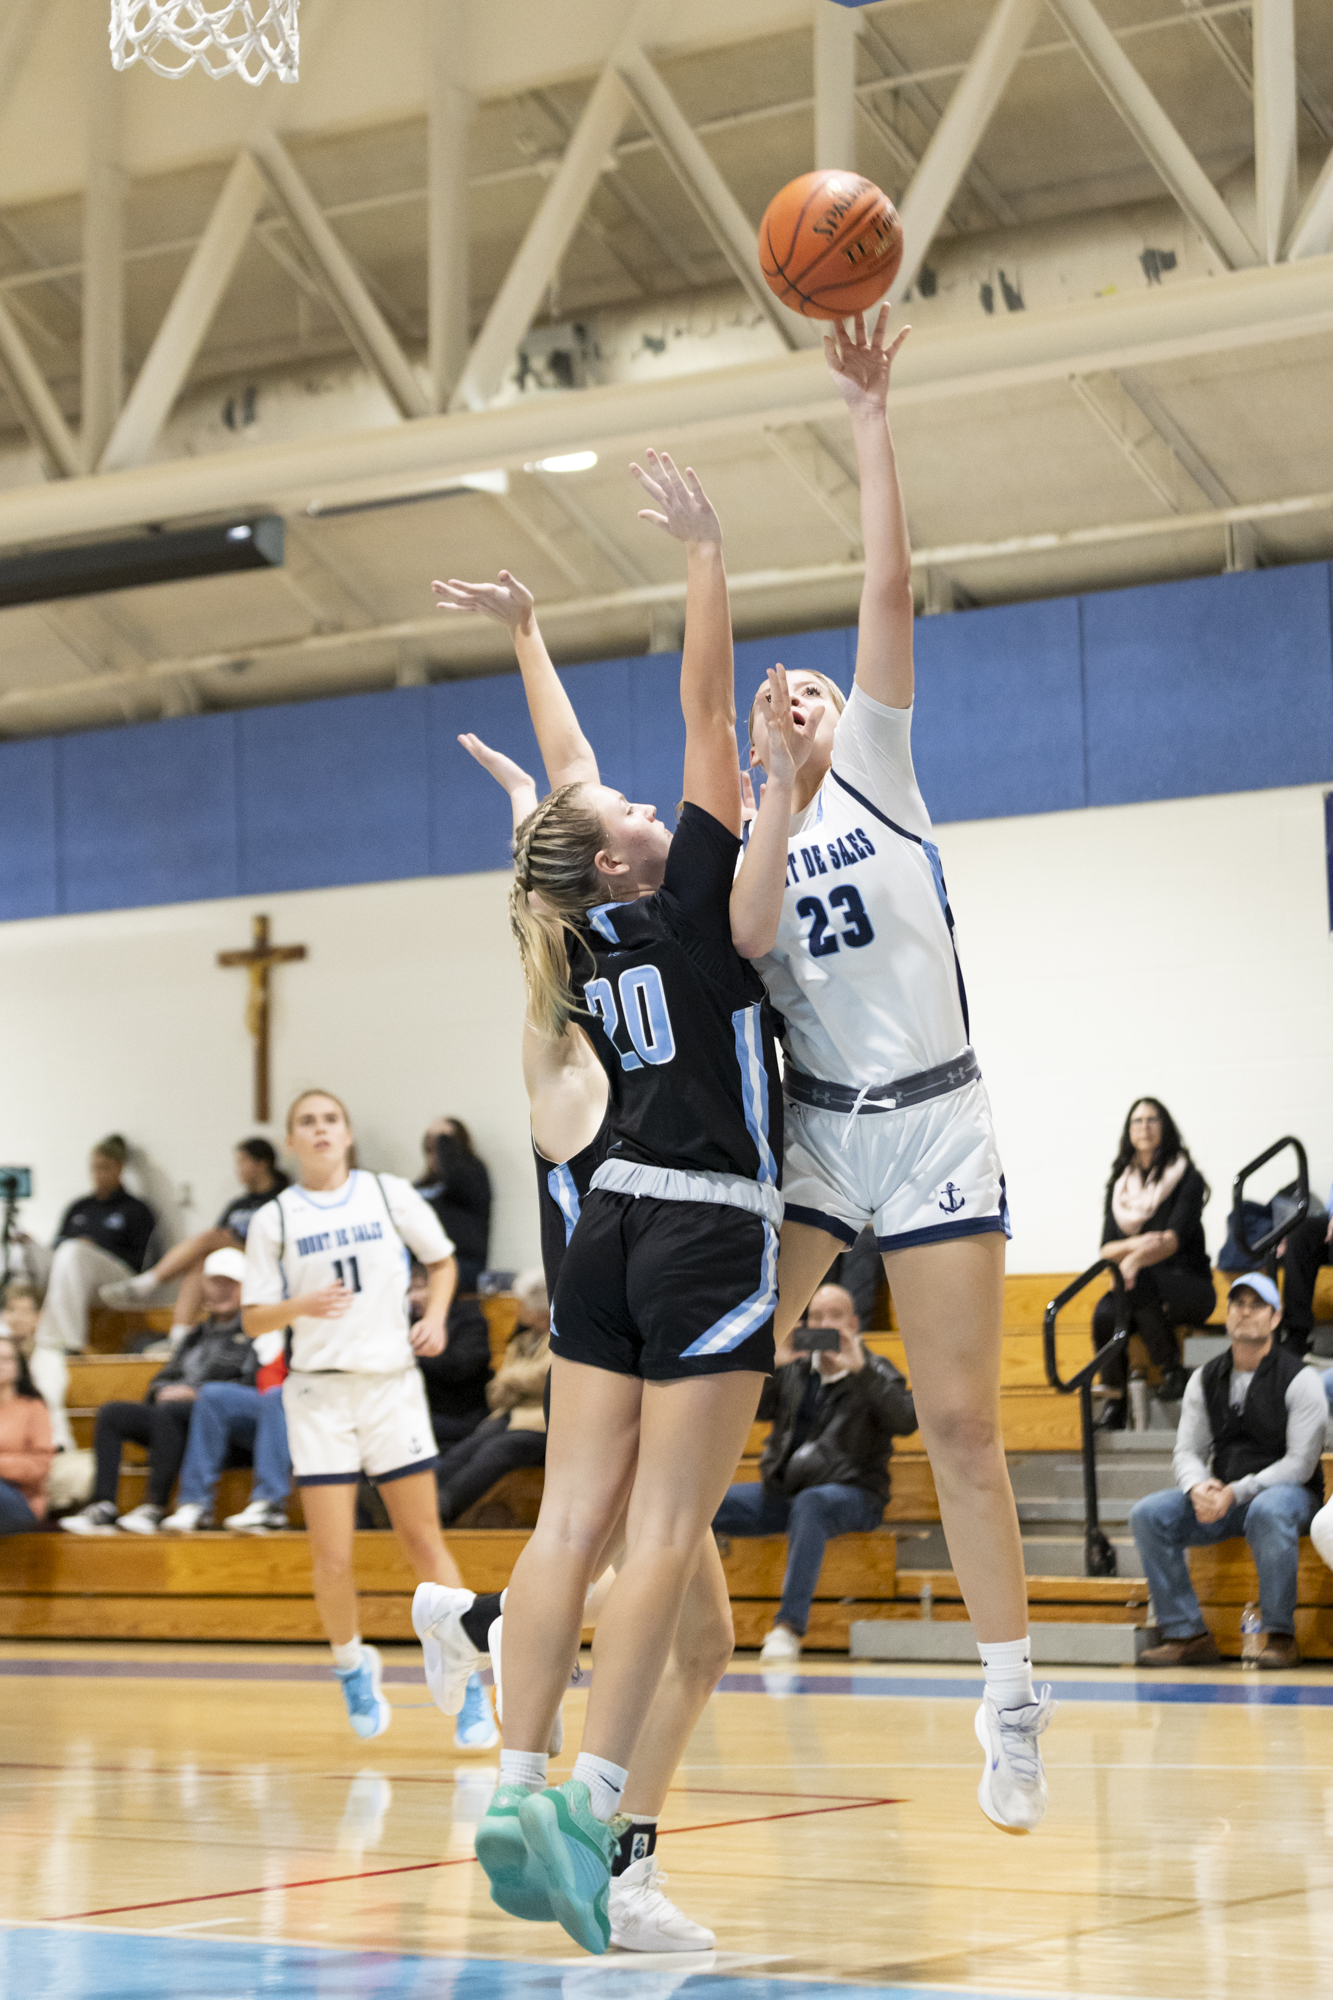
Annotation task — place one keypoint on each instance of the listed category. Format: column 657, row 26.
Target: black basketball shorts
column 666, row 1289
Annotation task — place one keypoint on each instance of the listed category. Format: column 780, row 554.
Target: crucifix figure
column 259, row 962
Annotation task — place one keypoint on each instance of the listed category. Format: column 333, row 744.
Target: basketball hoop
column 250, row 38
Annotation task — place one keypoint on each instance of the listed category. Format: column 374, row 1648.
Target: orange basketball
column 830, row 244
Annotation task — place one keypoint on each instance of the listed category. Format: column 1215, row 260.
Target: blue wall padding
column 148, row 815
column 1224, row 684
column 1172, row 691
column 998, row 729
column 29, row 869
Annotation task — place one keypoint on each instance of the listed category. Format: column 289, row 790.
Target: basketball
column 830, row 244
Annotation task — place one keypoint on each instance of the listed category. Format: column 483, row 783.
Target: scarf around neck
column 1135, row 1201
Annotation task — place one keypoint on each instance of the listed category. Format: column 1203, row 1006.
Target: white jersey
column 357, row 1235
column 864, row 972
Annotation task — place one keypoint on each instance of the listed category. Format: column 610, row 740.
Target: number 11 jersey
column 358, row 1236
column 864, row 973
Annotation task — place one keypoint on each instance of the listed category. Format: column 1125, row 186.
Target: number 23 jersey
column 864, row 971
column 357, row 1235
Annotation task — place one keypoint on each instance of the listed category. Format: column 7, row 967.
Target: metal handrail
column 1299, row 1190
column 1098, row 1554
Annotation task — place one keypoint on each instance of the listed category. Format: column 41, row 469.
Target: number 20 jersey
column 864, row 973
column 679, row 1020
column 357, row 1236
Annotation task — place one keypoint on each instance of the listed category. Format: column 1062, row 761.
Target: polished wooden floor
column 167, row 1810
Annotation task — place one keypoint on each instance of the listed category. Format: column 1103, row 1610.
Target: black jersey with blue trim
column 561, row 1193
column 679, row 1020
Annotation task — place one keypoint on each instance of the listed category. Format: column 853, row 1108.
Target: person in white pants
column 102, row 1235
column 1321, row 1528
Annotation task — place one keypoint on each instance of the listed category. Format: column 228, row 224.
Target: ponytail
column 556, row 882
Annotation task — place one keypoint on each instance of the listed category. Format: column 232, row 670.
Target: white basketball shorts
column 339, row 1426
column 919, row 1175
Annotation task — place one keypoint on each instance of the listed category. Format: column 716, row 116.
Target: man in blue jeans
column 1246, row 1463
column 231, row 1416
column 825, row 1468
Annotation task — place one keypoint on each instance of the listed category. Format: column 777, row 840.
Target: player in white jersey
column 328, row 1257
column 888, row 1123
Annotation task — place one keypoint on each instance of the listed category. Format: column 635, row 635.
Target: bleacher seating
column 218, row 1586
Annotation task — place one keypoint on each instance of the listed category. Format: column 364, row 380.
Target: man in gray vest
column 1246, row 1463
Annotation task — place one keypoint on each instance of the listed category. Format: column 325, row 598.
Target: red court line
column 417, row 1867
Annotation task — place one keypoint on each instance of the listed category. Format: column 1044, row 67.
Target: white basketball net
column 250, row 39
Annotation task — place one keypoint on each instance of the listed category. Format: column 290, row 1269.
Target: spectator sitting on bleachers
column 455, row 1380
column 1304, row 1251
column 516, row 1435
column 102, row 1235
column 25, row 1444
column 1153, row 1229
column 260, row 1178
column 825, row 1467
column 216, row 1351
column 458, row 1188
column 237, row 1416
column 1246, row 1463
column 19, row 1314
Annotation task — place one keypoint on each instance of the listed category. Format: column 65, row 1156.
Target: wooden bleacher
column 218, row 1586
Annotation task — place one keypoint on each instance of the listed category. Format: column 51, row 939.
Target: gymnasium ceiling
column 1084, row 363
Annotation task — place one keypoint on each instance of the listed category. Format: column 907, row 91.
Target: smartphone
column 815, row 1340
column 15, row 1183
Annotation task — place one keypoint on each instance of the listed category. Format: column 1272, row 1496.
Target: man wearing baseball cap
column 1246, row 1463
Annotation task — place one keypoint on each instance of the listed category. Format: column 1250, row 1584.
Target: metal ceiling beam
column 960, row 130
column 359, row 316
column 103, row 257
column 1259, row 308
column 837, row 31
column 16, row 39
column 167, row 365
column 921, row 102
column 549, row 233
column 37, row 409
column 328, row 645
column 1275, row 121
column 692, row 164
column 1158, row 137
column 448, row 119
column 1313, row 231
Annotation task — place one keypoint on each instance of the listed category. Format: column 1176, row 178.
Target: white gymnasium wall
column 1180, row 948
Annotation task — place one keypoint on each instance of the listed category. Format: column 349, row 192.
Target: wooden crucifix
column 259, row 962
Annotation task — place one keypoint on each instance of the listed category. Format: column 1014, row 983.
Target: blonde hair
column 555, row 861
column 302, row 1097
column 835, row 694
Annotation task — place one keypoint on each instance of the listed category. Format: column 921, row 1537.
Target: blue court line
column 1254, row 1691
column 106, row 1965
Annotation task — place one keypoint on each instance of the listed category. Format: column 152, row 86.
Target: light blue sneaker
column 475, row 1729
column 574, row 1851
column 367, row 1710
column 516, row 1879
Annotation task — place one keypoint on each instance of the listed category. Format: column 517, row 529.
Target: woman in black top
column 1153, row 1229
column 662, row 1330
column 458, row 1188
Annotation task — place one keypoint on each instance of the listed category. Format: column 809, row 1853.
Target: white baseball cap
column 225, row 1264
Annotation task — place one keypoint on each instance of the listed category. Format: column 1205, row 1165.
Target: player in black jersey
column 662, row 1324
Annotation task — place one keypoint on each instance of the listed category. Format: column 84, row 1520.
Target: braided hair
column 556, row 883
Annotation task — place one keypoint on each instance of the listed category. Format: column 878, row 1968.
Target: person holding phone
column 835, row 1412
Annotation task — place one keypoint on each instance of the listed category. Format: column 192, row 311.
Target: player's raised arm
column 785, row 742
column 707, row 673
column 861, row 367
column 508, row 775
column 566, row 751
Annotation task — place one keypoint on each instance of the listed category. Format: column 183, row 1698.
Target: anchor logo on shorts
column 953, row 1200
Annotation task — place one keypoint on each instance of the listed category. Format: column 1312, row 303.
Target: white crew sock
column 524, row 1767
column 1007, row 1665
column 348, row 1656
column 605, row 1782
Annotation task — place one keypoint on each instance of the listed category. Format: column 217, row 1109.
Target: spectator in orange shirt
column 25, row 1444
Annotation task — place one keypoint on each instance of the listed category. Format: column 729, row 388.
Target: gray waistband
column 908, row 1090
column 674, row 1184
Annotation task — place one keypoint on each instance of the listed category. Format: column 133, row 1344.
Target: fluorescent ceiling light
column 569, row 461
column 48, row 571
